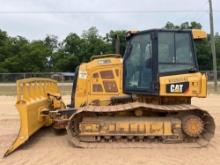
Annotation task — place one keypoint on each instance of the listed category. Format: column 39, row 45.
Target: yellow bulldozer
column 144, row 97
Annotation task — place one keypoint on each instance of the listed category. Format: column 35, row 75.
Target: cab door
column 138, row 65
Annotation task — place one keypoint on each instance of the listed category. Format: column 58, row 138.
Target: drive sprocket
column 192, row 125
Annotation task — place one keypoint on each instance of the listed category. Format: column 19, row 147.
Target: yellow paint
column 154, row 126
column 167, row 128
column 32, row 98
column 199, row 34
column 84, row 91
column 197, row 84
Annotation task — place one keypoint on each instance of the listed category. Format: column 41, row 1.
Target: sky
column 35, row 19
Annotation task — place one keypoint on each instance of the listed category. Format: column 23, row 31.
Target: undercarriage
column 101, row 126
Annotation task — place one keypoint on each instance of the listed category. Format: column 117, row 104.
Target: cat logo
column 177, row 87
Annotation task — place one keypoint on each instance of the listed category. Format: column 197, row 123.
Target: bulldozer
column 131, row 101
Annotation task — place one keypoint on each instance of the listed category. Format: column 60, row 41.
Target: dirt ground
column 47, row 148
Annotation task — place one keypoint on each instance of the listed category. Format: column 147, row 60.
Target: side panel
column 98, row 81
column 150, row 126
column 81, row 92
column 190, row 85
column 105, row 85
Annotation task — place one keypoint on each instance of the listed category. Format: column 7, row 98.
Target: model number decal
column 104, row 61
column 177, row 87
column 82, row 75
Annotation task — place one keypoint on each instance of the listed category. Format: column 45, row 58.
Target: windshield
column 138, row 63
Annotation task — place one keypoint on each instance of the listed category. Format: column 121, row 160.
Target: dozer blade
column 32, row 99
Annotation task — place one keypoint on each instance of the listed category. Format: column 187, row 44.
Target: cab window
column 138, row 64
column 175, row 52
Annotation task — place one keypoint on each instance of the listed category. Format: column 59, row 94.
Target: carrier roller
column 136, row 124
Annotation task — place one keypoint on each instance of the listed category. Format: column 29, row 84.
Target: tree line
column 17, row 54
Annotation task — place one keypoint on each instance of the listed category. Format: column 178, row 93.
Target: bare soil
column 45, row 147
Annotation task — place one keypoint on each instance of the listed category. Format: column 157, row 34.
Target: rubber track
column 202, row 141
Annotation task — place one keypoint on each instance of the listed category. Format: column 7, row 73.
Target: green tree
column 195, row 25
column 69, row 54
column 170, row 26
column 13, row 49
column 93, row 44
column 111, row 38
column 204, row 55
column 4, row 49
column 184, row 25
column 52, row 45
column 63, row 62
column 29, row 57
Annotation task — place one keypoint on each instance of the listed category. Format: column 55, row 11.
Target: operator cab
column 154, row 53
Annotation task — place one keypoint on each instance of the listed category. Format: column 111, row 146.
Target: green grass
column 7, row 90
